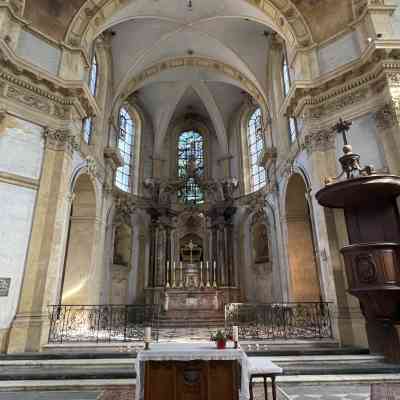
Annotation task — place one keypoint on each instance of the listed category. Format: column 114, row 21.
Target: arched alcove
column 80, row 246
column 303, row 269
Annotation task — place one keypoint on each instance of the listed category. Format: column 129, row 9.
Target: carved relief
column 339, row 103
column 366, row 268
column 322, row 140
column 5, row 284
column 27, row 98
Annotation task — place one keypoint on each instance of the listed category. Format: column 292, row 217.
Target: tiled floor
column 332, row 391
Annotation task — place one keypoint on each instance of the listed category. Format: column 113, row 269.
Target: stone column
column 221, row 266
column 231, row 282
column 43, row 271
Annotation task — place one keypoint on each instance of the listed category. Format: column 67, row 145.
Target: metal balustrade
column 311, row 320
column 126, row 323
column 101, row 323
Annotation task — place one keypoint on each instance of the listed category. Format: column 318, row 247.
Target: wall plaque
column 4, row 286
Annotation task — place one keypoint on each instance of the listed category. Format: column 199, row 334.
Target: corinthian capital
column 60, row 139
column 385, row 117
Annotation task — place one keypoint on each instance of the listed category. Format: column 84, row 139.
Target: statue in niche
column 122, row 245
column 260, row 243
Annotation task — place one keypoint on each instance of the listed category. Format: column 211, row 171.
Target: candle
column 147, row 334
column 167, row 277
column 235, row 333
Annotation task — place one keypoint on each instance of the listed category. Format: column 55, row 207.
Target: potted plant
column 220, row 338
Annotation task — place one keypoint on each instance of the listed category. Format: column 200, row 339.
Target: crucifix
column 343, row 127
column 191, row 246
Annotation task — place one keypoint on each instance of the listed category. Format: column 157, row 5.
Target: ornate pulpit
column 372, row 258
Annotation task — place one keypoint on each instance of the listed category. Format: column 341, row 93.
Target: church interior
column 173, row 171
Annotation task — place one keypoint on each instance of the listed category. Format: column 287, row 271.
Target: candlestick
column 201, row 274
column 181, row 284
column 173, row 274
column 215, row 275
column 208, row 276
column 167, row 277
column 147, row 337
column 236, row 336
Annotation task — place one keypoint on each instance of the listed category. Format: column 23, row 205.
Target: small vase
column 221, row 344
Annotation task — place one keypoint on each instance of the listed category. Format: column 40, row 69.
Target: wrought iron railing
column 280, row 320
column 102, row 323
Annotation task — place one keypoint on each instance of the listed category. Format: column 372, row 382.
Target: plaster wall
column 21, row 148
column 38, row 52
column 16, row 212
column 339, row 52
column 21, row 154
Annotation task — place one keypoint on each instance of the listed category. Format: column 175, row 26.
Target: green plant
column 220, row 335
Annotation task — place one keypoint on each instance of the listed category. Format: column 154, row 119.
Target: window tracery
column 191, row 166
column 255, row 142
column 126, row 144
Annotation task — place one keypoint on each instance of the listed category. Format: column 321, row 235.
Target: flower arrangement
column 220, row 338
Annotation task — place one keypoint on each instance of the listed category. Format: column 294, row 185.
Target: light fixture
column 190, row 5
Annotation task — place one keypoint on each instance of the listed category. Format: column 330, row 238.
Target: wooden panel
column 197, row 380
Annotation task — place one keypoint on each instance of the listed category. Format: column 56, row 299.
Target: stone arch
column 80, row 249
column 284, row 18
column 233, row 75
column 303, row 268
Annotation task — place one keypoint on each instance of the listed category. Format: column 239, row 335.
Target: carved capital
column 322, row 140
column 385, row 118
column 113, row 157
column 58, row 139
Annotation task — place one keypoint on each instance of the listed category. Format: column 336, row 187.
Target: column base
column 4, row 340
column 28, row 333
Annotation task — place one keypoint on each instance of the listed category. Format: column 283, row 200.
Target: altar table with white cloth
column 191, row 352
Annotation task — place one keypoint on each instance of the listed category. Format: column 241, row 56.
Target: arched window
column 191, row 166
column 93, row 76
column 285, row 74
column 292, row 124
column 255, row 142
column 126, row 143
column 87, row 125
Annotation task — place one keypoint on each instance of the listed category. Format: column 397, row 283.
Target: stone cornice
column 32, row 81
column 373, row 64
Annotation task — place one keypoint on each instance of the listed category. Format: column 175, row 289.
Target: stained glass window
column 126, row 144
column 191, row 166
column 285, row 75
column 255, row 141
column 292, row 129
column 87, row 126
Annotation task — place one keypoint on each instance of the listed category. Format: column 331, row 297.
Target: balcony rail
column 101, row 323
column 280, row 320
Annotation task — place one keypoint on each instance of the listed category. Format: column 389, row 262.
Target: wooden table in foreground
column 191, row 372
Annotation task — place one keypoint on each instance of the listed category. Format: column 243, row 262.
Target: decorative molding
column 284, row 16
column 18, row 180
column 3, row 114
column 38, row 90
column 321, row 140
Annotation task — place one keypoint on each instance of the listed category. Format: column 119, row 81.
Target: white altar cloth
column 191, row 352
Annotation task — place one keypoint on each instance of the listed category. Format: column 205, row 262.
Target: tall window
column 87, row 125
column 255, row 141
column 292, row 124
column 191, row 166
column 285, row 74
column 126, row 144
